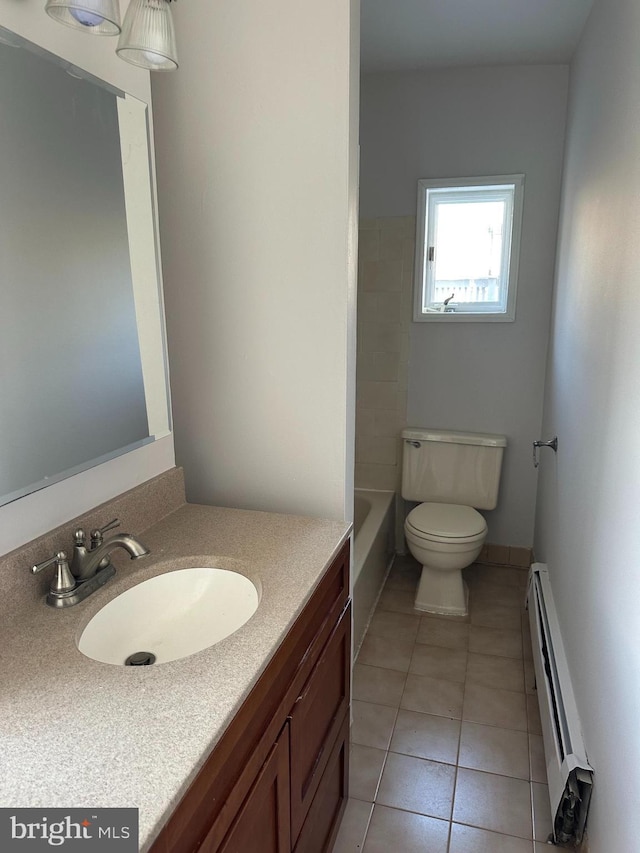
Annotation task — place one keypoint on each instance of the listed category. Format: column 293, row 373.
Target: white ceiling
column 402, row 35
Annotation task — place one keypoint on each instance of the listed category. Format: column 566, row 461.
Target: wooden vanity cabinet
column 262, row 824
column 317, row 718
column 320, row 827
column 276, row 781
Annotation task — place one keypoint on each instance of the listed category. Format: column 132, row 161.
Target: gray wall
column 485, row 377
column 257, row 175
column 589, row 495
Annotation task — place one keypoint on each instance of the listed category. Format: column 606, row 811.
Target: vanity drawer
column 316, row 719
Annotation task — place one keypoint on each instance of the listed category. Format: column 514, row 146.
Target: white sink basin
column 170, row 616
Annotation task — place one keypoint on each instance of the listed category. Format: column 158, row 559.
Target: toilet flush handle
column 553, row 444
column 413, row 443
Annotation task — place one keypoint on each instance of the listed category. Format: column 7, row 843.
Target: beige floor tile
column 470, row 574
column 501, row 575
column 392, row 829
column 417, row 785
column 494, row 750
column 438, row 662
column 426, row 736
column 527, row 648
column 493, row 671
column 494, row 707
column 509, row 596
column 405, row 563
column 395, row 626
column 372, row 724
column 495, row 641
column 365, row 769
column 529, row 677
column 521, row 558
column 497, row 803
column 537, row 763
column 398, row 600
column 386, row 653
column 404, row 582
column 353, row 828
column 374, row 684
column 469, row 839
column 500, row 747
column 404, row 574
column 433, row 696
column 542, row 820
column 492, row 615
column 533, row 714
column 439, row 632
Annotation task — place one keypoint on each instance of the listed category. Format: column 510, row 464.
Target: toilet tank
column 442, row 466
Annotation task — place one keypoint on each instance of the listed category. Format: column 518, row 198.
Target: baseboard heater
column 569, row 774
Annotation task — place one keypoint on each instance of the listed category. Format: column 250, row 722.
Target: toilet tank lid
column 454, row 437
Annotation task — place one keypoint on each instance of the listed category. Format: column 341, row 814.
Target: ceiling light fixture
column 98, row 17
column 148, row 38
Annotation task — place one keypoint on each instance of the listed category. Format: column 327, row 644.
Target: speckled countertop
column 78, row 733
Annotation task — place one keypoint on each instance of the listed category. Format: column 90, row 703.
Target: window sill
column 460, row 317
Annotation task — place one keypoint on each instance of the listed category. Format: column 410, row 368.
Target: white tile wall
column 385, row 286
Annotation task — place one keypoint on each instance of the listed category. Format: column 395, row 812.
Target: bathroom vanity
column 277, row 779
column 242, row 746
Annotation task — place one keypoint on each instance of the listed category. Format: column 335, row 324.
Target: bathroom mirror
column 82, row 351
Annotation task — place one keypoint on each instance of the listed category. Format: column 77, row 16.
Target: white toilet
column 451, row 472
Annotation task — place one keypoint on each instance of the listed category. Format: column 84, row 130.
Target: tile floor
column 446, row 753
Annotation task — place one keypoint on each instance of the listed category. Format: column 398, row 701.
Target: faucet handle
column 64, row 580
column 98, row 533
column 43, row 565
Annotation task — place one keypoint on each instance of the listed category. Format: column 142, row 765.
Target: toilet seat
column 443, row 523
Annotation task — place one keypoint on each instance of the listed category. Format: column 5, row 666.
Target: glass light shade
column 98, row 17
column 148, row 38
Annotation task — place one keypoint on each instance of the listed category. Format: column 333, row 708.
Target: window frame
column 511, row 248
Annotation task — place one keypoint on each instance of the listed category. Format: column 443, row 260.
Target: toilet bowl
column 444, row 538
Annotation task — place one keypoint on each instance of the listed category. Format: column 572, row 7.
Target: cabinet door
column 263, row 822
column 322, row 822
column 316, row 719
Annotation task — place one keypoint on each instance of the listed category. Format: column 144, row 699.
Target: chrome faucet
column 87, row 562
column 90, row 567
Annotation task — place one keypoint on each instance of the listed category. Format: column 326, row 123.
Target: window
column 468, row 237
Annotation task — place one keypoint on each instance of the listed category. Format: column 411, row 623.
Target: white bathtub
column 374, row 529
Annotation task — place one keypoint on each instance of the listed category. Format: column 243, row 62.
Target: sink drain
column 140, row 659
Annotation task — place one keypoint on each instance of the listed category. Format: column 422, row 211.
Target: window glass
column 467, row 248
